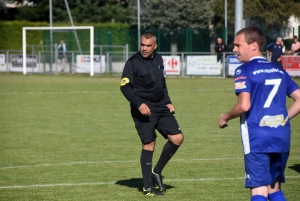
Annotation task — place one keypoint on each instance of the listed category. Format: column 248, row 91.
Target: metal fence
column 44, row 61
column 115, row 63
column 39, row 61
column 110, row 63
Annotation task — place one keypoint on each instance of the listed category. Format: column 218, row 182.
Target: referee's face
column 147, row 47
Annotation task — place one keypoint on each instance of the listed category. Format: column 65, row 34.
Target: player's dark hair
column 149, row 35
column 295, row 37
column 254, row 34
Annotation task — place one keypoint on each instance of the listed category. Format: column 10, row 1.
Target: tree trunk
column 174, row 48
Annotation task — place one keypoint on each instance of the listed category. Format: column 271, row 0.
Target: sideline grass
column 72, row 138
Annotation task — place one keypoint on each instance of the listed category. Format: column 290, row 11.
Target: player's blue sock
column 259, row 198
column 277, row 196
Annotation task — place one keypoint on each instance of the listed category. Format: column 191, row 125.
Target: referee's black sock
column 146, row 164
column 168, row 151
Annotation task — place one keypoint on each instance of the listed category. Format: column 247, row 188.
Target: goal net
column 68, row 49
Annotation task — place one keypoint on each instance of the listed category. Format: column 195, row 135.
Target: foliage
column 174, row 16
column 2, row 6
column 100, row 12
column 82, row 11
column 11, row 33
column 105, row 34
column 263, row 13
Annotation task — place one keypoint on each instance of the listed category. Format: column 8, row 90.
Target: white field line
column 123, row 161
column 92, row 92
column 116, row 161
column 55, row 92
column 115, row 182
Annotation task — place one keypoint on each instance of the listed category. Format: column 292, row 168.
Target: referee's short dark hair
column 254, row 34
column 149, row 35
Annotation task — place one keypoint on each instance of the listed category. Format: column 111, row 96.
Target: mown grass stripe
column 115, row 182
column 124, row 161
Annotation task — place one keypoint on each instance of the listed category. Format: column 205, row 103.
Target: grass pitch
column 72, row 138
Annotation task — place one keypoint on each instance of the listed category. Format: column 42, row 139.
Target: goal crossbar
column 91, row 28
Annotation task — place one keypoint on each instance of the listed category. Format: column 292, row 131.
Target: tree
column 8, row 7
column 101, row 11
column 2, row 6
column 174, row 16
column 266, row 14
column 82, row 11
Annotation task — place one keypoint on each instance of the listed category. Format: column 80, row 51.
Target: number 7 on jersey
column 276, row 83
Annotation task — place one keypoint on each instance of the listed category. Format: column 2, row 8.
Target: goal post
column 91, row 28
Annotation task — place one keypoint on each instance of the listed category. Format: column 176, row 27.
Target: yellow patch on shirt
column 124, row 81
column 273, row 121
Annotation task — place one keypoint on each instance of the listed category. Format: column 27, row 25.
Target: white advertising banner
column 233, row 63
column 83, row 64
column 203, row 65
column 2, row 63
column 17, row 63
column 172, row 65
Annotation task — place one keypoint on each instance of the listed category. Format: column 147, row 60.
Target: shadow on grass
column 136, row 183
column 295, row 167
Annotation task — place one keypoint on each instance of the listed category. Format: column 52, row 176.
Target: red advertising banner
column 172, row 65
column 291, row 65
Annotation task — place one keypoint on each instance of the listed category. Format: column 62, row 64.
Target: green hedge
column 105, row 34
column 11, row 34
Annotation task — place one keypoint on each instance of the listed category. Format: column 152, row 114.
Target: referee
column 144, row 85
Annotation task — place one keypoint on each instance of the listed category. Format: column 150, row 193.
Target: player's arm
column 269, row 47
column 224, row 47
column 127, row 89
column 64, row 48
column 127, row 83
column 294, row 109
column 242, row 106
column 291, row 50
column 166, row 99
column 216, row 48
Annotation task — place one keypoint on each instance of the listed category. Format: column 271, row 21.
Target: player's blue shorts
column 262, row 169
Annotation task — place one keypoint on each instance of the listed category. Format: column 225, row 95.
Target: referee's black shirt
column 143, row 80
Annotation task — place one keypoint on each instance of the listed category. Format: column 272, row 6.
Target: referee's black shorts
column 161, row 119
